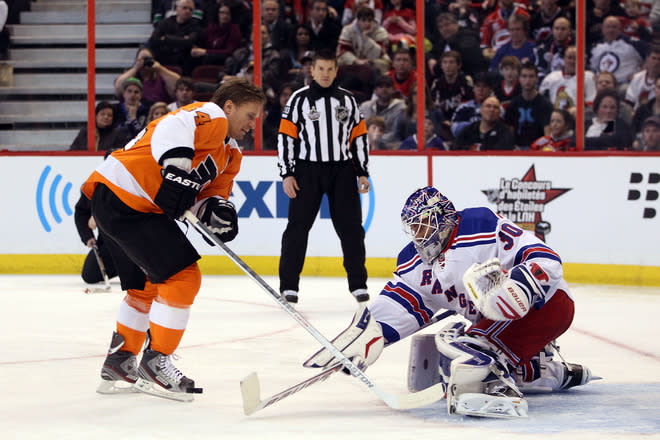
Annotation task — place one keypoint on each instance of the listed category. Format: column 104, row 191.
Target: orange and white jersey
column 197, row 131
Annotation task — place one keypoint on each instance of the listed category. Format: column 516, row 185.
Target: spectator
column 550, row 53
column 106, row 135
column 650, row 140
column 163, row 9
column 644, row 111
column 405, row 124
column 304, row 75
column 494, row 29
column 607, row 131
column 157, row 110
column 431, row 139
column 272, row 67
column 542, row 21
column 641, row 87
column 325, row 29
column 375, row 131
column 364, row 41
column 466, row 16
column 158, row 81
column 597, row 14
column 469, row 112
column 518, row 45
column 633, row 24
column 386, row 106
column 561, row 86
column 606, row 80
column 450, row 37
column 273, row 115
column 350, row 7
column 220, row 39
column 279, row 30
column 131, row 113
column 399, row 22
column 561, row 137
column 183, row 93
column 529, row 113
column 4, row 32
column 509, row 87
column 173, row 38
column 488, row 133
column 616, row 53
column 403, row 74
column 452, row 87
column 299, row 48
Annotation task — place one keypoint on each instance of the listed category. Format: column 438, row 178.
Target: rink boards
column 601, row 213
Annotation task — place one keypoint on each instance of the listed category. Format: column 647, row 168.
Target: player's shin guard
column 479, row 383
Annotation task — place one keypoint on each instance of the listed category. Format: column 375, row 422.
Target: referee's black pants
column 338, row 181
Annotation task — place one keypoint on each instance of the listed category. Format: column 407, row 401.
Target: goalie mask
column 429, row 218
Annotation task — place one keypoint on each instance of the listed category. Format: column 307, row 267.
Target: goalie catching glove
column 362, row 342
column 220, row 217
column 499, row 296
column 179, row 188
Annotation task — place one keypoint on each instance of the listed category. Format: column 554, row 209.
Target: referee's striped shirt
column 322, row 125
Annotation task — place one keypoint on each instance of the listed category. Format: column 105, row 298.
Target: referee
column 323, row 149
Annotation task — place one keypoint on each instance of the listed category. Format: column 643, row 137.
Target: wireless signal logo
column 52, row 198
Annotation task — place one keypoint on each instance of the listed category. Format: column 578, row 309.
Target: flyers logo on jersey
column 206, row 171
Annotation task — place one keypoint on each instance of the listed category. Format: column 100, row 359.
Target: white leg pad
column 476, row 384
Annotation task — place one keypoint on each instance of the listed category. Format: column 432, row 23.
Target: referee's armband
column 288, row 128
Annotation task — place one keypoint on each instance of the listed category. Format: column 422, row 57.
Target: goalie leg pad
column 362, row 339
column 479, row 383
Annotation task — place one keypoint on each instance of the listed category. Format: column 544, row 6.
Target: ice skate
column 361, row 295
column 291, row 296
column 119, row 371
column 159, row 377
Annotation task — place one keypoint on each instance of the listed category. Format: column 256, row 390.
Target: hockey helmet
column 429, row 218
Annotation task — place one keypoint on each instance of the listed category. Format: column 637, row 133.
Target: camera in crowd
column 148, row 61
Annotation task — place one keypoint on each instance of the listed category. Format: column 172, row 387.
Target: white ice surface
column 53, row 340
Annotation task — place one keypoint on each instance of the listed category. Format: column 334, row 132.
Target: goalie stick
column 395, row 401
column 106, row 280
column 251, row 390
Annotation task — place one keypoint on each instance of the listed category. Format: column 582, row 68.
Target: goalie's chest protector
column 475, row 241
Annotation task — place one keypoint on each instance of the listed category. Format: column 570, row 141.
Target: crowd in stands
column 499, row 74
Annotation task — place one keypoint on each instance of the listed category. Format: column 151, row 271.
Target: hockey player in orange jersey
column 186, row 159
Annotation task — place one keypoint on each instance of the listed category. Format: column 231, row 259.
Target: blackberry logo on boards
column 645, row 187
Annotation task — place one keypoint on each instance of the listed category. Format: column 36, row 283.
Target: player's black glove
column 178, row 191
column 220, row 217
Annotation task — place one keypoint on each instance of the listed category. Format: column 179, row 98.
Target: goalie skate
column 119, row 371
column 488, row 405
column 159, row 377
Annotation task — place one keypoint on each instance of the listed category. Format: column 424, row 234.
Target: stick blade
column 419, row 399
column 250, row 391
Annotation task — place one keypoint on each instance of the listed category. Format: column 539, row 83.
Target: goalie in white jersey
column 505, row 281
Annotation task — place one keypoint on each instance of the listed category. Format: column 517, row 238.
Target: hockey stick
column 250, row 387
column 395, row 401
column 106, row 280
